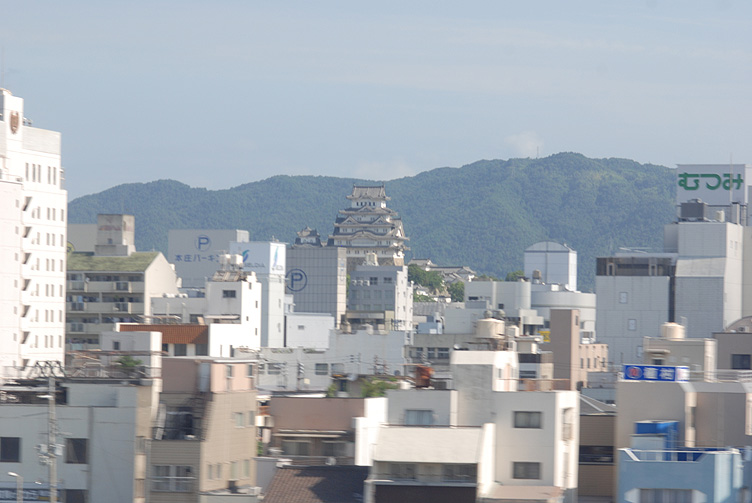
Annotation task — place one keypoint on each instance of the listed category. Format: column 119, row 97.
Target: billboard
column 655, row 373
column 714, row 184
column 195, row 252
column 261, row 257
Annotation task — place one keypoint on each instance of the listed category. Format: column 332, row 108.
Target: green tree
column 375, row 387
column 457, row 291
column 515, row 275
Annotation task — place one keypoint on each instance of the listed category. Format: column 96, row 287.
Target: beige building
column 113, row 285
column 573, row 355
column 735, row 345
column 674, row 349
column 205, row 437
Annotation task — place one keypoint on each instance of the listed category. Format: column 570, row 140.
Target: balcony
column 77, row 286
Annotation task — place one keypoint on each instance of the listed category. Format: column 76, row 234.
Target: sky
column 217, row 94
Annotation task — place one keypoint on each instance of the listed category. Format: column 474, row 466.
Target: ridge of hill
column 482, row 215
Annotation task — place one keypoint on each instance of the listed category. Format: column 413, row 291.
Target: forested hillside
column 482, row 215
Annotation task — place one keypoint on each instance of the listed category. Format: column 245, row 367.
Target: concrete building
column 480, row 441
column 196, row 252
column 104, row 291
column 348, row 355
column 673, row 349
column 103, row 456
column 735, row 345
column 33, row 206
column 381, row 296
column 317, row 278
column 368, row 226
column 204, row 440
column 313, row 430
column 701, row 279
column 554, row 263
column 573, row 355
column 511, row 297
column 267, row 261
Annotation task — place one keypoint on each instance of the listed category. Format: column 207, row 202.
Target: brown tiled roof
column 317, row 484
column 173, row 334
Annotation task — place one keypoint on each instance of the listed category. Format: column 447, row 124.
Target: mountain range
column 482, row 215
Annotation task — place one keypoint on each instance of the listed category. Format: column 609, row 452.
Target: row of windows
column 34, row 173
column 76, row 450
column 77, row 276
column 431, row 353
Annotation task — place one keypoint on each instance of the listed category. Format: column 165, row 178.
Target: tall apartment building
column 33, row 208
column 368, row 226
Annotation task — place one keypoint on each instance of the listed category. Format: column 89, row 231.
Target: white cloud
column 524, row 144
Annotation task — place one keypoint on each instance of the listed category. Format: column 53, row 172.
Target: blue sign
column 203, row 242
column 296, row 280
column 655, row 373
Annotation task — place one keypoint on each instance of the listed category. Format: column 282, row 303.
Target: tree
column 429, row 279
column 376, row 387
column 515, row 275
column 457, row 291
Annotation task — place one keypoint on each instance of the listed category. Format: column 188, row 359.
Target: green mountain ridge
column 482, row 215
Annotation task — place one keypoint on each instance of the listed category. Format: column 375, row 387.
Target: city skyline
column 248, row 90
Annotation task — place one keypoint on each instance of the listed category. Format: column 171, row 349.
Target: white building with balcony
column 481, row 441
column 33, row 205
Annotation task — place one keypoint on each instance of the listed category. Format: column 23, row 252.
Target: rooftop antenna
column 2, row 67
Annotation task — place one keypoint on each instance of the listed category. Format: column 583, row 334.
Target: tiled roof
column 136, row 262
column 317, row 484
column 173, row 334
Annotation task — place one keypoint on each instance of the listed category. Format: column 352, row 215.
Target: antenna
column 2, row 67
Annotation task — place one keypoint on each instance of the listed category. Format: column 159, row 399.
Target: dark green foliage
column 457, row 291
column 429, row 279
column 375, row 387
column 515, row 275
column 482, row 215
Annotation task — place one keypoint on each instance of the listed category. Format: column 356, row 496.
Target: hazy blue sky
column 216, row 94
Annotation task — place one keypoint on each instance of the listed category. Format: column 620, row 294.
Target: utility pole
column 51, row 438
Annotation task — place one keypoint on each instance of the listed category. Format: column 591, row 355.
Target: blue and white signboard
column 655, row 373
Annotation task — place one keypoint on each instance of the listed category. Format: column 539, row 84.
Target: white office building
column 33, row 207
column 196, row 252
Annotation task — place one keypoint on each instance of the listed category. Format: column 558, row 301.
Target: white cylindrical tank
column 672, row 331
column 489, row 328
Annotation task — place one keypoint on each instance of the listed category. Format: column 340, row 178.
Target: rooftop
column 136, row 262
column 317, row 484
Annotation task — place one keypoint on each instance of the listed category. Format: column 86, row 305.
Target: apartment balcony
column 77, row 286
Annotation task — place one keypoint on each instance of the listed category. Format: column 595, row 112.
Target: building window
column 417, row 417
column 228, row 371
column 459, row 473
column 322, row 369
column 597, row 454
column 239, row 423
column 202, row 349
column 402, row 471
column 251, row 418
column 250, row 370
column 274, row 368
column 632, row 324
column 666, row 495
column 741, row 362
column 246, row 468
column 234, row 470
column 525, row 470
column 76, row 451
column 527, row 419
column 181, row 349
column 442, row 353
column 431, row 353
column 172, row 478
column 623, row 297
column 116, row 345
column 296, row 448
column 76, row 496
column 332, row 448
column 10, row 449
column 228, row 294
